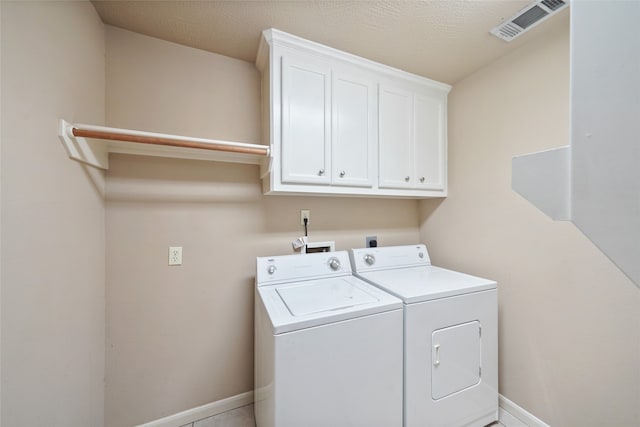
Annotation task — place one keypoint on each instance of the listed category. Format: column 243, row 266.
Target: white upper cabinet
column 396, row 141
column 353, row 131
column 339, row 124
column 328, row 124
column 412, row 139
column 430, row 139
column 306, row 124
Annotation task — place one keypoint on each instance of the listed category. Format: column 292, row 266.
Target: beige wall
column 179, row 337
column 569, row 324
column 52, row 218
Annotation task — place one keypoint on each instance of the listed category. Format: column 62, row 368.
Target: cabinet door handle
column 436, row 355
column 342, row 174
column 422, row 179
column 321, row 172
column 406, row 178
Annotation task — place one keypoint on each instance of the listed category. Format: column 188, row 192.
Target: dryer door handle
column 436, row 355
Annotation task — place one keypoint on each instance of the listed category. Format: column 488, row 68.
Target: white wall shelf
column 91, row 145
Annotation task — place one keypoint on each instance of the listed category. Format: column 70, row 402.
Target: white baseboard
column 204, row 411
column 243, row 399
column 521, row 414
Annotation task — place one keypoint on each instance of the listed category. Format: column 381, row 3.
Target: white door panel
column 429, row 143
column 395, row 118
column 353, row 136
column 305, row 121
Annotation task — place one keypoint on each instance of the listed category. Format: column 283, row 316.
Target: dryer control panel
column 371, row 259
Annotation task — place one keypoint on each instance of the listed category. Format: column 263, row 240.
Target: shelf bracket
column 90, row 152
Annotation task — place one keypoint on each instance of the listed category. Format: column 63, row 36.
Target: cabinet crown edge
column 276, row 38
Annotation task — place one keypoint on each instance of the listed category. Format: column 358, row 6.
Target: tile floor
column 508, row 420
column 243, row 417
column 240, row 417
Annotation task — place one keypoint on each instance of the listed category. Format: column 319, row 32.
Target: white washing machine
column 450, row 336
column 328, row 346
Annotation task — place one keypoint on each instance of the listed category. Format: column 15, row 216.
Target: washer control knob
column 271, row 269
column 369, row 259
column 334, row 263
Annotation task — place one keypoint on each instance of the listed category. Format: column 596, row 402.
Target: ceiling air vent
column 528, row 18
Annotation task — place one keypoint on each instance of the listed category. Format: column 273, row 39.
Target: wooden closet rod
column 162, row 140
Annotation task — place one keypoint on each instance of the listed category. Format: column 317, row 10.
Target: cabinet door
column 430, row 145
column 395, row 117
column 306, row 119
column 353, row 130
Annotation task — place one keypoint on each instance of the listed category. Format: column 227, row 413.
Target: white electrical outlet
column 175, row 255
column 305, row 213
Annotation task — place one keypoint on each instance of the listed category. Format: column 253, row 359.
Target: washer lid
column 300, row 305
column 325, row 295
column 426, row 283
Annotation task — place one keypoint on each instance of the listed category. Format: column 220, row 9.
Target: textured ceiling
column 442, row 40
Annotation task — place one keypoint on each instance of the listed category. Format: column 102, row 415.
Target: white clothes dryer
column 328, row 346
column 450, row 336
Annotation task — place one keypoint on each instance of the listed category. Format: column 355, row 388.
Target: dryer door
column 455, row 359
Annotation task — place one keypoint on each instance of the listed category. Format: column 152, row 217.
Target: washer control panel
column 290, row 268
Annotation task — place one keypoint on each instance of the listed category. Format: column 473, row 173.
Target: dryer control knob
column 369, row 259
column 334, row 263
column 271, row 269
